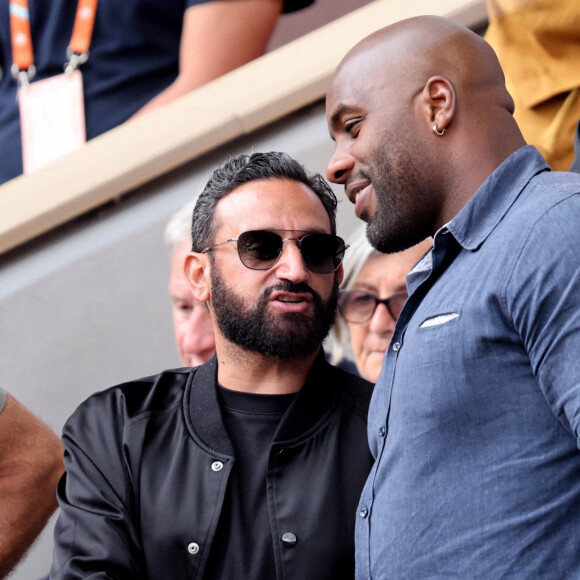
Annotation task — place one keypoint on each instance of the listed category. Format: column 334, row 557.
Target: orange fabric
column 538, row 46
column 83, row 27
column 22, row 55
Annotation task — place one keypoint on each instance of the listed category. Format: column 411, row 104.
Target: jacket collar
column 313, row 403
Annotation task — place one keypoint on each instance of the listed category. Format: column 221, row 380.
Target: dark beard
column 400, row 219
column 288, row 336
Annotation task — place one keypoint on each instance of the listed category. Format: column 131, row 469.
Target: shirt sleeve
column 95, row 536
column 543, row 298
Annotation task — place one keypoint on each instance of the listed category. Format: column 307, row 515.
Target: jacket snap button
column 217, row 466
column 193, row 548
column 289, row 539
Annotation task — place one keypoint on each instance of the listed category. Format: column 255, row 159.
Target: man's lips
column 357, row 193
column 291, row 301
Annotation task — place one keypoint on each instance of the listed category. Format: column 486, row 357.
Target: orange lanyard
column 22, row 55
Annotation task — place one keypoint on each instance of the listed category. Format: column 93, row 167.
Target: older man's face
column 194, row 336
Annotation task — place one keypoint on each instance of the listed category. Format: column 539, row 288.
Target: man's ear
column 197, row 273
column 438, row 101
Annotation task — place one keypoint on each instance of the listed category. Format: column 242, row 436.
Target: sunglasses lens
column 322, row 253
column 356, row 306
column 259, row 250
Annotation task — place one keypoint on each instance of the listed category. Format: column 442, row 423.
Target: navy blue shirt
column 134, row 55
column 475, row 420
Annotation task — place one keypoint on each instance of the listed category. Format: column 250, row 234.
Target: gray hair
column 245, row 169
column 357, row 255
column 179, row 226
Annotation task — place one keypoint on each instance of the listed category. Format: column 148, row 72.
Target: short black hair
column 245, row 169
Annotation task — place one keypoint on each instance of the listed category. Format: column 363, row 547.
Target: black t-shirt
column 243, row 545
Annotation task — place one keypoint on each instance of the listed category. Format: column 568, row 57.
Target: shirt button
column 289, row 539
column 382, row 432
column 217, row 466
column 364, row 512
column 193, row 548
column 396, row 346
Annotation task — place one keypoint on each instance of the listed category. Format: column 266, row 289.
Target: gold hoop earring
column 437, row 132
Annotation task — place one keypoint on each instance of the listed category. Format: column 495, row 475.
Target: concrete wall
column 86, row 307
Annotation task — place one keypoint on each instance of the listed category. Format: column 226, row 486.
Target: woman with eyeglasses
column 372, row 296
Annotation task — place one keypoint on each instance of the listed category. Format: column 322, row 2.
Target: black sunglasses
column 359, row 306
column 261, row 249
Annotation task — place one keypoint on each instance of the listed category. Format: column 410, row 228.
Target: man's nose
column 382, row 323
column 291, row 266
column 339, row 166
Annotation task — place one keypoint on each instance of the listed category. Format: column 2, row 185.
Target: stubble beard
column 282, row 336
column 399, row 221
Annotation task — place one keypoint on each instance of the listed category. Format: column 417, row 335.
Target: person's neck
column 240, row 370
column 473, row 172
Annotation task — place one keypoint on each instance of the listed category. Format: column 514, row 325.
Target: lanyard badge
column 51, row 110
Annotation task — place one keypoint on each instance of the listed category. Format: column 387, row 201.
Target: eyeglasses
column 359, row 306
column 261, row 249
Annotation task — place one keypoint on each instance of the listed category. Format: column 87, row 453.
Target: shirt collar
column 487, row 207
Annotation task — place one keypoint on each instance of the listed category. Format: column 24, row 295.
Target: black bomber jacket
column 148, row 464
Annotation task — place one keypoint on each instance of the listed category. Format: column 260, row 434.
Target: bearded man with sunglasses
column 250, row 465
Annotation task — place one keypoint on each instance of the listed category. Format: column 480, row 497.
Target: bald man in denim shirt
column 475, row 420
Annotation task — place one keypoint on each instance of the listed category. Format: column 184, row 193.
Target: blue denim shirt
column 474, row 422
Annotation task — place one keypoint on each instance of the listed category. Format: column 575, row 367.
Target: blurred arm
column 218, row 37
column 30, row 466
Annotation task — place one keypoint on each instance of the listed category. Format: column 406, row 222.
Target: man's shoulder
column 525, row 180
column 550, row 203
column 126, row 402
column 560, row 183
column 551, row 188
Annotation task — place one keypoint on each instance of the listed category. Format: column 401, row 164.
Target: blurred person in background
column 142, row 54
column 537, row 43
column 30, row 467
column 194, row 336
column 373, row 294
